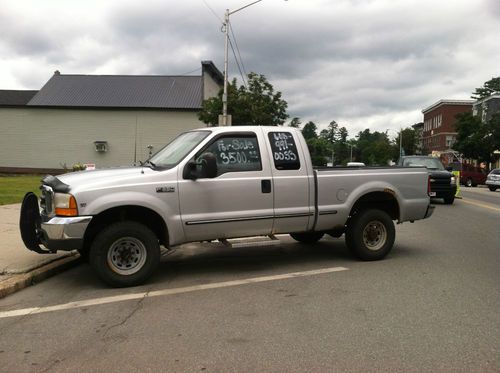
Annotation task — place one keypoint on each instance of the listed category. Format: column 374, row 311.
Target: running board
column 251, row 241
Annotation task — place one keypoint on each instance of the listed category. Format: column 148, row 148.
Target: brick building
column 439, row 132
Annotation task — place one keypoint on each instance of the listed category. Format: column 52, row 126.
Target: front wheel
column 370, row 234
column 307, row 237
column 125, row 254
column 492, row 188
column 449, row 200
column 468, row 182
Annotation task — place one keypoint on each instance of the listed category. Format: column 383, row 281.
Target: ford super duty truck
column 219, row 183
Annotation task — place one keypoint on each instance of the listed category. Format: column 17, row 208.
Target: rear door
column 239, row 200
column 292, row 182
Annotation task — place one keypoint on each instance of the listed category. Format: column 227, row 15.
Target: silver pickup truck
column 217, row 184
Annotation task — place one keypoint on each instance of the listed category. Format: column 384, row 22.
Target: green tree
column 309, row 131
column 320, row 149
column 475, row 139
column 409, row 137
column 488, row 88
column 330, row 133
column 373, row 148
column 256, row 104
column 295, row 122
column 341, row 149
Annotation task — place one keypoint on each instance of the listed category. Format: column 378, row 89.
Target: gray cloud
column 361, row 62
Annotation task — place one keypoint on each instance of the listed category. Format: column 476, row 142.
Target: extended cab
column 219, row 183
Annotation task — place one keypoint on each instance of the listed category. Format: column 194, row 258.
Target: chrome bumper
column 59, row 228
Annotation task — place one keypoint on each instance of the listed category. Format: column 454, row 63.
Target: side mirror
column 206, row 167
column 208, row 163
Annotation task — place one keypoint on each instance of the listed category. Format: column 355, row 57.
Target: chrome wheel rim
column 127, row 256
column 374, row 235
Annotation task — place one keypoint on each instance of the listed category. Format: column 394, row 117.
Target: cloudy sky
column 363, row 63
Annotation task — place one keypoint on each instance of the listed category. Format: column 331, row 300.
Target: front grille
column 47, row 200
column 440, row 185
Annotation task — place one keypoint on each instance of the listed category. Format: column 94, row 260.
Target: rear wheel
column 468, row 182
column 370, row 234
column 125, row 254
column 307, row 237
column 492, row 188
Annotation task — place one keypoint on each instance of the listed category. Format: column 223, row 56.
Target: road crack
column 137, row 307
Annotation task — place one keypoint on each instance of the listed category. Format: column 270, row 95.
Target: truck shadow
column 203, row 262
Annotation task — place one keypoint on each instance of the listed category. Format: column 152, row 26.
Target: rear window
column 284, row 151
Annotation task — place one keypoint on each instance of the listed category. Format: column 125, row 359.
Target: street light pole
column 226, row 45
column 224, row 95
column 352, row 146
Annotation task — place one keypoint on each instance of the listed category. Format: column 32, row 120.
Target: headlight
column 65, row 204
column 453, row 180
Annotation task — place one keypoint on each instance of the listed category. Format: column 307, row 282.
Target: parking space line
column 158, row 293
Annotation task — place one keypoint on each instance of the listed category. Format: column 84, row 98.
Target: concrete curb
column 21, row 281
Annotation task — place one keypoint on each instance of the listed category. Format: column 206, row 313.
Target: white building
column 107, row 120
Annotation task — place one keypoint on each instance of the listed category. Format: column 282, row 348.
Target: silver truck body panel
column 234, row 204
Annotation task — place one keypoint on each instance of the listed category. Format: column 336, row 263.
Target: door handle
column 266, row 186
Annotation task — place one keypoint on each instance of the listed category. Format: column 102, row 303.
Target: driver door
column 238, row 201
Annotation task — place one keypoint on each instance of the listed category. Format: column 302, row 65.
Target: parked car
column 219, row 183
column 493, row 179
column 442, row 182
column 472, row 176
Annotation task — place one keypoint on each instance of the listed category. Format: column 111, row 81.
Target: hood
column 438, row 174
column 85, row 180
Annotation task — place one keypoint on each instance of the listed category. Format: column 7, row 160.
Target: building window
column 450, row 140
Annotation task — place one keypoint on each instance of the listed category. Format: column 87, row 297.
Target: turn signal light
column 68, row 207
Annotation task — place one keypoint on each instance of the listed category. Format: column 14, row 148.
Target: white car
column 493, row 179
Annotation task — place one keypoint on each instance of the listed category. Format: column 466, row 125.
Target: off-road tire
column 125, row 254
column 307, row 237
column 370, row 234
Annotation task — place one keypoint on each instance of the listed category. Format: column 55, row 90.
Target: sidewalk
column 20, row 267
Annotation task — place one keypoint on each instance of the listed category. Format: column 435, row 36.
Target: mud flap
column 29, row 224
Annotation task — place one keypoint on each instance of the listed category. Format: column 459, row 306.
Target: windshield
column 430, row 163
column 174, row 152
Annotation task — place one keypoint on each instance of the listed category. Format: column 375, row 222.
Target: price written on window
column 283, row 147
column 237, row 151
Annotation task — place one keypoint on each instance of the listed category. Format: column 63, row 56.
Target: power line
column 237, row 48
column 190, row 72
column 213, row 11
column 237, row 63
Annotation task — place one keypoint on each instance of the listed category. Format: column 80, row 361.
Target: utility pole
column 224, row 118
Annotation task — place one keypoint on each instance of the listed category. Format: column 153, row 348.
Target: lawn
column 13, row 188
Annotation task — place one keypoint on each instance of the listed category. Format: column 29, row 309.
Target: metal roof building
column 127, row 115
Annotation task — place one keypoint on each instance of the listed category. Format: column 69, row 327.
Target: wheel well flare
column 380, row 200
column 139, row 214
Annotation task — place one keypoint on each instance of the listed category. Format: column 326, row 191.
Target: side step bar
column 251, row 241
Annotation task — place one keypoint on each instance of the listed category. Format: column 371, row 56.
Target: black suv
column 443, row 183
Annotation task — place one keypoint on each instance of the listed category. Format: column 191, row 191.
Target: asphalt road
column 481, row 194
column 432, row 305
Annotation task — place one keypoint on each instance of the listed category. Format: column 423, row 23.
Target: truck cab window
column 284, row 151
column 235, row 153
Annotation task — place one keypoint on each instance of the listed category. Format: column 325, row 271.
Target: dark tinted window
column 236, row 153
column 284, row 151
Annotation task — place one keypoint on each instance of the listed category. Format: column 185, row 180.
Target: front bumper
column 53, row 233
column 60, row 233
